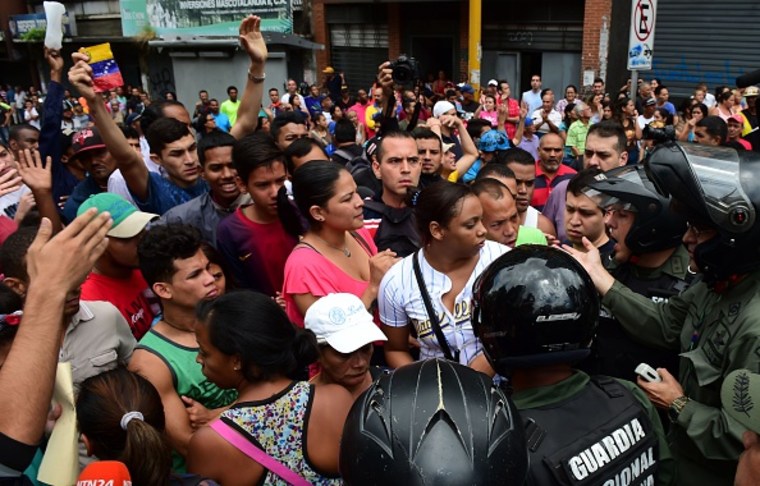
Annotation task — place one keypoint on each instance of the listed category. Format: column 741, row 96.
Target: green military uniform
column 617, row 352
column 716, row 333
column 545, row 396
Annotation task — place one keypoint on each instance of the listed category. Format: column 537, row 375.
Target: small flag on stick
column 105, row 72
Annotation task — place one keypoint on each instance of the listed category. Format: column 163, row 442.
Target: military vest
column 600, row 436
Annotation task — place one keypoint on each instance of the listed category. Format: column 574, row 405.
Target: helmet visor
column 618, row 188
column 716, row 173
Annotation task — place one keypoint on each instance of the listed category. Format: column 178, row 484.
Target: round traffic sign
column 643, row 19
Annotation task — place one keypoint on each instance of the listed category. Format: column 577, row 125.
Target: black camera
column 659, row 133
column 405, row 71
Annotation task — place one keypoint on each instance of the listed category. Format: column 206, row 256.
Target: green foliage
column 34, row 35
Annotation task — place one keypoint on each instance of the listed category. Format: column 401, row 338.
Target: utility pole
column 473, row 47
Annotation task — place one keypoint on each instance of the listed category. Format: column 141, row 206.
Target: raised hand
column 80, row 76
column 252, row 40
column 35, row 175
column 9, row 180
column 385, row 76
column 54, row 59
column 63, row 261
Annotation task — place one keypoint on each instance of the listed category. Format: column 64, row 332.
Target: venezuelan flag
column 105, row 72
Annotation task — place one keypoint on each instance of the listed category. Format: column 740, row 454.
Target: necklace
column 343, row 250
column 177, row 327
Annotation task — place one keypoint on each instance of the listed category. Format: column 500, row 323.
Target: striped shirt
column 544, row 183
column 400, row 302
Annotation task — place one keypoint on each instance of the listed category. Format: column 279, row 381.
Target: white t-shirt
column 9, row 202
column 642, row 122
column 710, row 100
column 286, row 99
column 533, row 100
column 400, row 301
column 543, row 127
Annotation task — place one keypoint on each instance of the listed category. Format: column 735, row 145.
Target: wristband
column 255, row 78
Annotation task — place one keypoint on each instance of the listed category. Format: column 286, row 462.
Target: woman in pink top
column 487, row 111
column 336, row 254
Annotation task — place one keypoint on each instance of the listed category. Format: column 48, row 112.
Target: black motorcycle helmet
column 656, row 227
column 534, row 306
column 718, row 187
column 433, row 422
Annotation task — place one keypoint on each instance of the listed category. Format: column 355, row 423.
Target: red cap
column 105, row 472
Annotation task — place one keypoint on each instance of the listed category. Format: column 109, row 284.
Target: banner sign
column 22, row 24
column 202, row 17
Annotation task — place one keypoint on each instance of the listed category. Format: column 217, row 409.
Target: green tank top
column 187, row 377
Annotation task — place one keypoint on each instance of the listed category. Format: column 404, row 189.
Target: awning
column 271, row 38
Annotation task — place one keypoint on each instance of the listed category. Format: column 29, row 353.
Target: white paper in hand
column 54, row 33
column 60, row 465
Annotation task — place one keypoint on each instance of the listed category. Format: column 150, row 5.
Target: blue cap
column 493, row 140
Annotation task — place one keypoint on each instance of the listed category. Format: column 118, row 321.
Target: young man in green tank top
column 173, row 264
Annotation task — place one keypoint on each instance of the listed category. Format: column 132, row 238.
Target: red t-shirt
column 255, row 252
column 132, row 297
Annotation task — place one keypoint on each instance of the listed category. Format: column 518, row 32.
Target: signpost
column 641, row 39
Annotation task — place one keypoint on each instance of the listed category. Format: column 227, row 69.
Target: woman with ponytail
column 336, row 253
column 247, row 342
column 121, row 418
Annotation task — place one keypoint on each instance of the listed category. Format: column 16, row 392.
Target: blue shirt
column 472, row 172
column 64, row 181
column 80, row 194
column 164, row 194
column 313, row 104
column 669, row 106
column 533, row 100
column 222, row 122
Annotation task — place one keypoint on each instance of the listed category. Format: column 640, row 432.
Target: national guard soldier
column 535, row 310
column 648, row 258
column 715, row 324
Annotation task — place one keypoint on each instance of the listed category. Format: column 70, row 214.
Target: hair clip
column 12, row 319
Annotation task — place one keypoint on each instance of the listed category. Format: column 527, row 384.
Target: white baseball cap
column 442, row 107
column 493, row 82
column 341, row 321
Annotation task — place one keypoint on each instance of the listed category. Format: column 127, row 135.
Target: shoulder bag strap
column 360, row 239
column 442, row 342
column 246, row 447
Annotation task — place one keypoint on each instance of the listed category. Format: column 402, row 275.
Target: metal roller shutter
column 357, row 50
column 703, row 41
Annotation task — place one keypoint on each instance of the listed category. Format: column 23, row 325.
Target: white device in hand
column 648, row 373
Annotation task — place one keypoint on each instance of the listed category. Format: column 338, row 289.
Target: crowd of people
column 325, row 286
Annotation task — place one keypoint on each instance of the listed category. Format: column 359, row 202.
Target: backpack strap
column 257, row 454
column 343, row 154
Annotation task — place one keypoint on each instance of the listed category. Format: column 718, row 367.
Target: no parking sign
column 641, row 37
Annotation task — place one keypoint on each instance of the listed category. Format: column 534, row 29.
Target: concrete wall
column 215, row 75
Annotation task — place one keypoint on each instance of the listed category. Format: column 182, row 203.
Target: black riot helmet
column 534, row 306
column 656, row 227
column 718, row 187
column 433, row 422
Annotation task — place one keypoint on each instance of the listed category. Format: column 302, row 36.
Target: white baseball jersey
column 400, row 302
